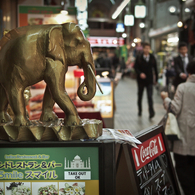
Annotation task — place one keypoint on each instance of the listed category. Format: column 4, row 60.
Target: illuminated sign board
column 105, row 41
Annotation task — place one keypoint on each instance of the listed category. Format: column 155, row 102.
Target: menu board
column 154, row 172
column 59, row 170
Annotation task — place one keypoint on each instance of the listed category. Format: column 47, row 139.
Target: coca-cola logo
column 148, row 152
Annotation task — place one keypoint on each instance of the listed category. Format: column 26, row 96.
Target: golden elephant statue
column 30, row 54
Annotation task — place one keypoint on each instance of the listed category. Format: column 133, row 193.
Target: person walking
column 144, row 66
column 183, row 105
column 180, row 63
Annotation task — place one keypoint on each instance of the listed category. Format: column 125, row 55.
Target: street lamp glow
column 124, row 35
column 142, row 25
column 119, row 9
column 133, row 44
column 180, row 24
column 172, row 9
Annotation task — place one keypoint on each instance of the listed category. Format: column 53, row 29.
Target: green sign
column 72, row 10
column 49, row 170
column 86, row 33
column 124, row 52
column 48, row 163
column 39, row 9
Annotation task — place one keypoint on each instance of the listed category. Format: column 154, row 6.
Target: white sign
column 77, row 175
column 140, row 11
column 129, row 20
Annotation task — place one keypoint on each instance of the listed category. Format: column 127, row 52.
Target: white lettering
column 148, row 152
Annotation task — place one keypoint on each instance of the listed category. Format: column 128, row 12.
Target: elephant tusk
column 95, row 78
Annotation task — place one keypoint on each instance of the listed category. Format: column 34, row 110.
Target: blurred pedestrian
column 138, row 49
column 122, row 66
column 183, row 105
column 115, row 63
column 107, row 62
column 180, row 63
column 144, row 66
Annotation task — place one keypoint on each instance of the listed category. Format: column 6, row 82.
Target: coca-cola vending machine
column 147, row 169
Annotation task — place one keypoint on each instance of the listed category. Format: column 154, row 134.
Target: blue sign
column 120, row 27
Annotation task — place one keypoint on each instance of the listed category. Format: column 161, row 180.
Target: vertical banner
column 58, row 170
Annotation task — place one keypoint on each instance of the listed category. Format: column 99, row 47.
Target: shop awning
column 162, row 31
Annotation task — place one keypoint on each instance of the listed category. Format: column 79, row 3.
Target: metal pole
column 180, row 19
column 128, row 35
column 128, row 27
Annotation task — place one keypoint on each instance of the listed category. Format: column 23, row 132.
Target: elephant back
column 22, row 31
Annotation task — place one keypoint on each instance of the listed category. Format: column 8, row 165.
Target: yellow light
column 64, row 12
column 105, row 74
column 180, row 24
column 136, row 40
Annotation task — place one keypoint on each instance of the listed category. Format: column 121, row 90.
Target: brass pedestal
column 47, row 131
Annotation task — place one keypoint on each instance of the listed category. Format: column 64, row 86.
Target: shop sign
column 57, row 167
column 152, row 165
column 38, row 15
column 148, row 151
column 105, row 41
column 120, row 27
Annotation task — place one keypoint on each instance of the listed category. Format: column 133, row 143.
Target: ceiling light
column 142, row 25
column 172, row 9
column 119, row 9
column 124, row 35
column 187, row 10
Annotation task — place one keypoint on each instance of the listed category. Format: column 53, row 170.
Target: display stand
column 147, row 169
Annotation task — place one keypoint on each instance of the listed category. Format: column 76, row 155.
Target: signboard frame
column 106, row 157
column 126, row 158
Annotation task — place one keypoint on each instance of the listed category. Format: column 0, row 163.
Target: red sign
column 105, row 41
column 148, row 150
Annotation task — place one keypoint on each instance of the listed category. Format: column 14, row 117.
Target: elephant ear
column 56, row 44
column 74, row 35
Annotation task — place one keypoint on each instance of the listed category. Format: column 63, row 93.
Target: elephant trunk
column 89, row 83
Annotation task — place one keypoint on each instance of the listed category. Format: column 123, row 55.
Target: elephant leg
column 47, row 109
column 4, row 116
column 55, row 79
column 17, row 103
